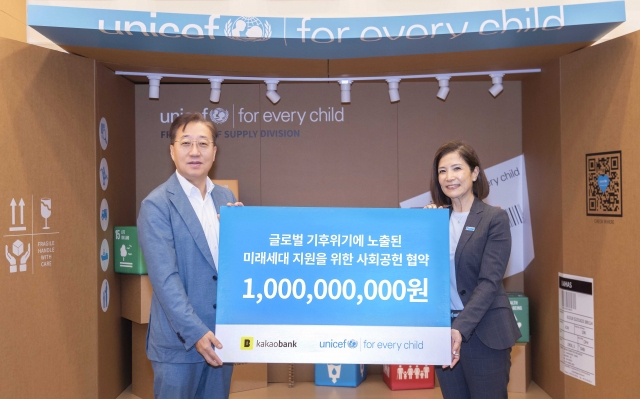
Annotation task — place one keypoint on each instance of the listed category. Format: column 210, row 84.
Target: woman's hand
column 456, row 343
column 434, row 206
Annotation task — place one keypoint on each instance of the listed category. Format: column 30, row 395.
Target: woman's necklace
column 459, row 220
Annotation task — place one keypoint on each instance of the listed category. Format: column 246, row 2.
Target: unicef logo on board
column 247, row 29
column 352, row 344
column 219, row 115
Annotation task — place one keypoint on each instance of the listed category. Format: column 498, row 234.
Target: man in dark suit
column 178, row 230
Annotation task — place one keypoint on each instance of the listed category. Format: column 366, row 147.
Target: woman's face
column 456, row 177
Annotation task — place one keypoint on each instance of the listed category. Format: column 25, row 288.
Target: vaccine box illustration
column 410, row 376
column 340, row 375
column 127, row 254
column 520, row 307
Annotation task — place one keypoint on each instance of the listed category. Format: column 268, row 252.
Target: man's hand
column 232, row 204
column 205, row 346
column 456, row 343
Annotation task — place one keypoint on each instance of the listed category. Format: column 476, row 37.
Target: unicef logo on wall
column 247, row 29
column 219, row 115
column 352, row 344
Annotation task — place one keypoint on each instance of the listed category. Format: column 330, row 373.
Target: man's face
column 193, row 161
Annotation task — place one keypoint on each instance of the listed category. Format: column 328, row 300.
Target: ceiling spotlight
column 497, row 87
column 345, row 91
column 272, row 94
column 154, row 86
column 394, row 94
column 443, row 82
column 216, row 83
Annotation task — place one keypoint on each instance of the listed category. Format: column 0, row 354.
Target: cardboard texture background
column 211, row 65
column 13, row 19
column 380, row 143
column 115, row 103
column 47, row 131
column 600, row 100
column 48, row 103
column 586, row 102
column 142, row 371
column 520, row 374
column 135, row 297
column 541, row 146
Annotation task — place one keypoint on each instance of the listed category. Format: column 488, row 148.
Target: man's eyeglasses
column 202, row 144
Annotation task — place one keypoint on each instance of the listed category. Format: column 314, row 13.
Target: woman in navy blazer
column 483, row 327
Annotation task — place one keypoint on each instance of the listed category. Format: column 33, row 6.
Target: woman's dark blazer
column 481, row 261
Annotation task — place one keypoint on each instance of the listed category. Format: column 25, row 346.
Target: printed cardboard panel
column 340, row 375
column 401, row 377
column 49, row 261
column 602, row 118
column 112, row 134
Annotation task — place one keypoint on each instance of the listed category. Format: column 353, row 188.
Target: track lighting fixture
column 443, row 82
column 272, row 94
column 497, row 87
column 394, row 93
column 216, row 84
column 345, row 84
column 345, row 91
column 154, row 86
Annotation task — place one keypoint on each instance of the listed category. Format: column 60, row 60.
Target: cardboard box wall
column 136, row 296
column 50, row 104
column 587, row 102
column 520, row 373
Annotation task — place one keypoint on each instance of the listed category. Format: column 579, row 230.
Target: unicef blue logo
column 247, row 29
column 603, row 182
column 219, row 115
column 352, row 344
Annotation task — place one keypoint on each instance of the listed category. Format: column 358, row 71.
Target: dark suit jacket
column 481, row 260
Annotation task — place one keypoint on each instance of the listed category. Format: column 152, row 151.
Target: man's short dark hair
column 181, row 122
column 468, row 154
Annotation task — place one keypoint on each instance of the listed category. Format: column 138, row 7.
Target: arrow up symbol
column 21, row 211
column 13, row 211
column 13, row 215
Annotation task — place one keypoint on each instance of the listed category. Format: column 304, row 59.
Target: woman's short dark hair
column 468, row 154
column 181, row 122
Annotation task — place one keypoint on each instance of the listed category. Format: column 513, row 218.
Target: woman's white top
column 456, row 225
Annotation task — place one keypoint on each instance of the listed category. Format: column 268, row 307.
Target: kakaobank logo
column 247, row 29
column 219, row 115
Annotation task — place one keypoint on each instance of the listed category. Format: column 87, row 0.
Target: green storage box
column 127, row 254
column 520, row 306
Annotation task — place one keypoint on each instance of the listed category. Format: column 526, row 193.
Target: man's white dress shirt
column 206, row 212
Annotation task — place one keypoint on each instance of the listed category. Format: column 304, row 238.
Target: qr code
column 604, row 184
